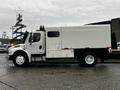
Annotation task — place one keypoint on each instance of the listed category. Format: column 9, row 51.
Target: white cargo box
column 86, row 36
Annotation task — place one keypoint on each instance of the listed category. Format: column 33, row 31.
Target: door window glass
column 35, row 37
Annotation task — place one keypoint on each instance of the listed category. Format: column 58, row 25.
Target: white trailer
column 84, row 43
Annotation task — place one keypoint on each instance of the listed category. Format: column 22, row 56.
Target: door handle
column 40, row 47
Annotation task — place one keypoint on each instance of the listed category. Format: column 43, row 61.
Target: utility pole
column 12, row 28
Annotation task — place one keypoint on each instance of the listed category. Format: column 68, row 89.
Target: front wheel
column 20, row 59
column 88, row 59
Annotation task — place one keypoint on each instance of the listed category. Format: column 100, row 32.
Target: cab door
column 36, row 43
column 53, row 43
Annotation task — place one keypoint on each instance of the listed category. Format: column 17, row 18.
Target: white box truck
column 84, row 43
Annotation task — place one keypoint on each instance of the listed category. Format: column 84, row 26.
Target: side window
column 53, row 33
column 35, row 37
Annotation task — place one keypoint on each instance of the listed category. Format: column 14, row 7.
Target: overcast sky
column 56, row 12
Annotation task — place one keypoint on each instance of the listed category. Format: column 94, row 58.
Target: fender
column 12, row 51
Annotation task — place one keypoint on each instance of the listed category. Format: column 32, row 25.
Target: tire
column 20, row 59
column 88, row 60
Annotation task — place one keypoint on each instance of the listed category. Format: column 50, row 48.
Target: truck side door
column 36, row 45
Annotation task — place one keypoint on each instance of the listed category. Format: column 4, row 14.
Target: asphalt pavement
column 58, row 77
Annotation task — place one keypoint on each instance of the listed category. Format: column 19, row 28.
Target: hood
column 18, row 46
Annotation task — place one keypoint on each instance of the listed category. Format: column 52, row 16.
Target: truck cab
column 33, row 46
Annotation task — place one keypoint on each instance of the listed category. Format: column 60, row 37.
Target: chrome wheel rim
column 20, row 60
column 89, row 59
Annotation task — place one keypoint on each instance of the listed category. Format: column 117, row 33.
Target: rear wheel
column 88, row 59
column 20, row 59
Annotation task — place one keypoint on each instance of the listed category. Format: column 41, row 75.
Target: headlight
column 10, row 52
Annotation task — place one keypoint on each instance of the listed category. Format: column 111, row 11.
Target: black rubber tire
column 84, row 63
column 26, row 62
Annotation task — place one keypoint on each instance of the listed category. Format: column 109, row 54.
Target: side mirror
column 31, row 39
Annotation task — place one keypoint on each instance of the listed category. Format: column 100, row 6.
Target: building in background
column 5, row 41
column 115, row 30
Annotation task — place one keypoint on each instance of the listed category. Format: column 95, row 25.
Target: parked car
column 3, row 48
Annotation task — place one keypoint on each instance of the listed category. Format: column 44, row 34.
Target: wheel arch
column 102, row 53
column 22, row 51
